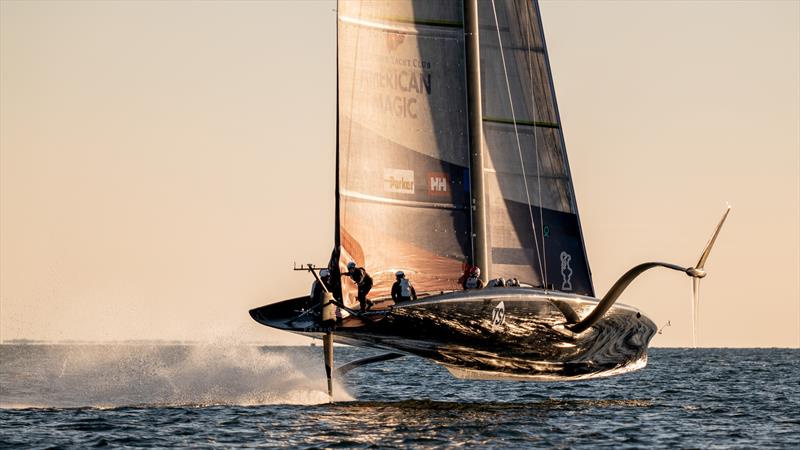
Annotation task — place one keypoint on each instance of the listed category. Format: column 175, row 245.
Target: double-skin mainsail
column 406, row 197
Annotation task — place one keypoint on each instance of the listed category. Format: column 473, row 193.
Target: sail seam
column 399, row 202
column 528, row 123
column 519, row 49
column 506, row 172
column 516, row 134
column 427, row 22
column 378, row 25
column 399, row 25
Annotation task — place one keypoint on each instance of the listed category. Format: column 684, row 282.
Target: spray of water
column 124, row 375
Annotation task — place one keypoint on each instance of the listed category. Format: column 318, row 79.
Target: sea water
column 236, row 396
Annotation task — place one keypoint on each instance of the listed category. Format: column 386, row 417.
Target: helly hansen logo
column 438, row 183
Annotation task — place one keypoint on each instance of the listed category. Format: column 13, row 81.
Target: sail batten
column 409, row 203
column 379, row 21
column 410, row 26
column 521, row 123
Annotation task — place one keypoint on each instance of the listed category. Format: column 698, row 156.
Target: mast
column 336, row 181
column 327, row 339
column 480, row 254
column 333, row 265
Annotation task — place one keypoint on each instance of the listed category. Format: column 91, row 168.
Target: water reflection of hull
column 502, row 333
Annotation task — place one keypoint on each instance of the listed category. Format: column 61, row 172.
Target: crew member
column 364, row 282
column 498, row 282
column 473, row 281
column 467, row 268
column 317, row 291
column 402, row 290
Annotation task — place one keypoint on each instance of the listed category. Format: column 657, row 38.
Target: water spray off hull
column 496, row 333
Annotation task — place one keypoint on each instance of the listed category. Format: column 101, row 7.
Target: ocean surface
column 235, row 396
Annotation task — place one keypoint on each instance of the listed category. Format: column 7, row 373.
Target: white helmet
column 351, row 265
column 324, row 273
column 400, row 274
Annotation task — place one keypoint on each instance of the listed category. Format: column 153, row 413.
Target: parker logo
column 438, row 183
column 393, row 40
column 398, row 180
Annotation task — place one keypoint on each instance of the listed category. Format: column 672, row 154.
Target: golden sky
column 163, row 164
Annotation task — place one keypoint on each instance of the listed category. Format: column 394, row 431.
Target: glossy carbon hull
column 497, row 333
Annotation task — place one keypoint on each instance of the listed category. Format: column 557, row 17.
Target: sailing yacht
column 450, row 154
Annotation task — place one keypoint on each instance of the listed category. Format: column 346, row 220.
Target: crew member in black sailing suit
column 364, row 283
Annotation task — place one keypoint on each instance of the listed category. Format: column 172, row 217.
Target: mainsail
column 404, row 195
column 403, row 161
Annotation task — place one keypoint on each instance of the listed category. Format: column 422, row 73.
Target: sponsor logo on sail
column 566, row 272
column 438, row 183
column 498, row 315
column 393, row 40
column 395, row 92
column 399, row 181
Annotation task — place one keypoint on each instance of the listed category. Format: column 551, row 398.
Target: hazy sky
column 163, row 164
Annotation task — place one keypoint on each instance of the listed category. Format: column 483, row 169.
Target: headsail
column 533, row 231
column 404, row 195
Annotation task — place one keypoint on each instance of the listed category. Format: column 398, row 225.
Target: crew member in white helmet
column 474, row 280
column 317, row 292
column 402, row 290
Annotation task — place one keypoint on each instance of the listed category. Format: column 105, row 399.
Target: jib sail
column 533, row 231
column 404, row 199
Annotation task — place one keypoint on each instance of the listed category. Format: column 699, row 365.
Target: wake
column 108, row 376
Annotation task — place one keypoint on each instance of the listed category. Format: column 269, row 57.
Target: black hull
column 499, row 333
